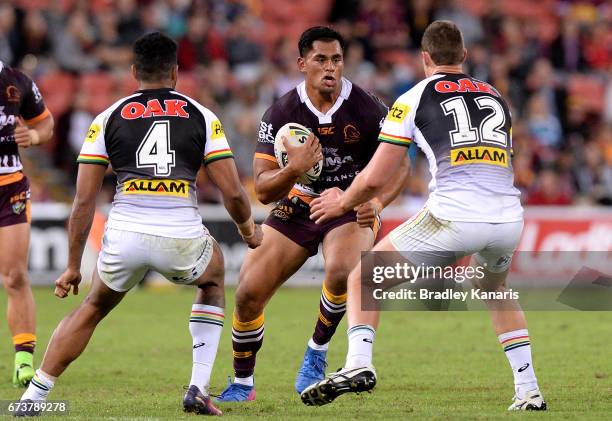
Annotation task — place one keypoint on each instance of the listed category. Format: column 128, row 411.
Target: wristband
column 247, row 228
column 34, row 137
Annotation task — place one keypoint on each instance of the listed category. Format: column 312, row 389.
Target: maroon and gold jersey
column 19, row 96
column 348, row 132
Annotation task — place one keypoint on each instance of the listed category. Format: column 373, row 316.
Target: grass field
column 433, row 366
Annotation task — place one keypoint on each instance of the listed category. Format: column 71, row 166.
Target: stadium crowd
column 551, row 59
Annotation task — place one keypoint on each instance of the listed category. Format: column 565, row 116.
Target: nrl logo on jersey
column 177, row 188
column 6, row 120
column 479, row 155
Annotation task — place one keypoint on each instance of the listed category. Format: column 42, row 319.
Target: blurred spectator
column 35, row 39
column 72, row 129
column 244, row 53
column 543, row 126
column 549, row 190
column 381, row 26
column 566, row 51
column 74, row 43
column 597, row 50
column 129, row 27
column 479, row 65
column 7, row 23
column 357, row 68
column 241, row 126
column 419, row 14
column 344, row 10
column 469, row 24
column 111, row 48
column 608, row 99
column 200, row 45
column 594, row 177
column 288, row 76
column 542, row 80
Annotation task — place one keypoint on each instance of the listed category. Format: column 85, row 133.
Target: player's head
column 155, row 59
column 321, row 58
column 442, row 45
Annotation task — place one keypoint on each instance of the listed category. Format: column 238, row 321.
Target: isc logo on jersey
column 177, row 188
column 479, row 155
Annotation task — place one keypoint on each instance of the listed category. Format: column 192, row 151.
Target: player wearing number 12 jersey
column 156, row 141
column 463, row 126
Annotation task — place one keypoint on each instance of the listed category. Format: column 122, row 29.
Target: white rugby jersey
column 155, row 141
column 464, row 128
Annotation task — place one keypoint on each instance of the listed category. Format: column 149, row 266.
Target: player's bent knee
column 337, row 274
column 249, row 303
column 213, row 276
column 15, row 280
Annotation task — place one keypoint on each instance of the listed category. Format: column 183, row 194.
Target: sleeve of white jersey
column 216, row 146
column 398, row 127
column 93, row 150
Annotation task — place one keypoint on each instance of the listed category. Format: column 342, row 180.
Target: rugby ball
column 296, row 135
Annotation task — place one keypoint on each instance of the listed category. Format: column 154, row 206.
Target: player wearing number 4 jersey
column 155, row 140
column 463, row 126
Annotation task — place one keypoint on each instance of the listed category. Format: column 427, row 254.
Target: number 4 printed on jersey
column 154, row 150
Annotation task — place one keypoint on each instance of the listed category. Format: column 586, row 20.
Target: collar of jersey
column 447, row 73
column 153, row 90
column 325, row 118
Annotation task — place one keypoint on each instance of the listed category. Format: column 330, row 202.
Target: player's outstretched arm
column 224, row 175
column 395, row 182
column 89, row 181
column 380, row 171
column 382, row 168
column 368, row 211
column 273, row 183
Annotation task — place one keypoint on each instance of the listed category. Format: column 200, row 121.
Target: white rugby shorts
column 425, row 239
column 127, row 256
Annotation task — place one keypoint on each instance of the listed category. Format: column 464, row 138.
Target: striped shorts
column 425, row 239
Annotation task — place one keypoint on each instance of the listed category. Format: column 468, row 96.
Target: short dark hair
column 318, row 33
column 154, row 56
column 444, row 43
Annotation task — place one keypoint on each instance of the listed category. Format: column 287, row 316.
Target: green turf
column 433, row 366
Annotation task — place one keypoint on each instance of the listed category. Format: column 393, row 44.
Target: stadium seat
column 58, row 89
column 586, row 91
column 187, row 84
column 95, row 82
column 101, row 88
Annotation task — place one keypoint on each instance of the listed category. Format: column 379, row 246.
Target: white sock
column 361, row 341
column 246, row 381
column 312, row 344
column 39, row 387
column 518, row 351
column 205, row 325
